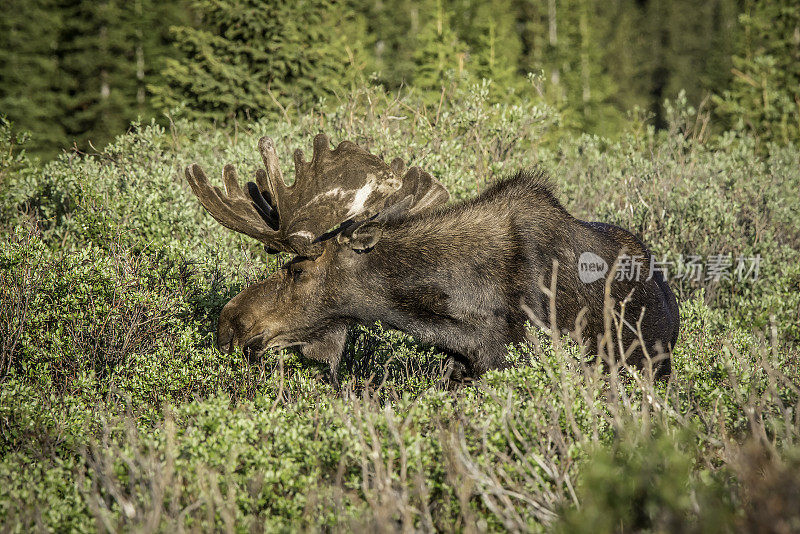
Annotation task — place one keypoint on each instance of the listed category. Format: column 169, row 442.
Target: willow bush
column 117, row 412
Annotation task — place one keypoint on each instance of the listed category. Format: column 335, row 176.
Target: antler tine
column 398, row 166
column 423, row 190
column 321, row 150
column 233, row 209
column 272, row 179
column 336, row 185
column 322, row 146
column 300, row 164
column 231, row 181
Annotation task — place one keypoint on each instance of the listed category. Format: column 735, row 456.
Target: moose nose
column 225, row 340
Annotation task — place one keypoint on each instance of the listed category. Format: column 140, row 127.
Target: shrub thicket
column 116, row 411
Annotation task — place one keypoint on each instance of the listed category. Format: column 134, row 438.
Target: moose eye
column 294, row 270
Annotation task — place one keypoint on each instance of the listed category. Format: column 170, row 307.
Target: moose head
column 329, row 218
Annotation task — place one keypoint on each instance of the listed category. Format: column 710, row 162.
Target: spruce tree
column 250, row 58
column 110, row 52
column 491, row 35
column 394, row 27
column 440, row 55
column 619, row 27
column 764, row 98
column 97, row 62
column 75, row 72
column 582, row 59
column 565, row 41
column 31, row 88
column 688, row 48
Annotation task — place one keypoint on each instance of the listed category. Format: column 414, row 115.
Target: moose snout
column 231, row 334
column 226, row 332
column 225, row 338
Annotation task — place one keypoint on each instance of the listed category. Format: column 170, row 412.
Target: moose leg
column 490, row 351
column 328, row 348
column 462, row 368
column 456, row 367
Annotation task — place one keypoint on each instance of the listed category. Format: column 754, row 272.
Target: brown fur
column 462, row 278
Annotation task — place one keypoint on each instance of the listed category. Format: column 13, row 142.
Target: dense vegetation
column 118, row 413
column 77, row 73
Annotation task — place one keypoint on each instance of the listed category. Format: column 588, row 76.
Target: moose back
column 375, row 242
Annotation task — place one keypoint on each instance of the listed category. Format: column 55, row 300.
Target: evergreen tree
column 250, row 58
column 76, row 71
column 110, row 52
column 564, row 40
column 30, row 85
column 489, row 31
column 440, row 55
column 583, row 59
column 394, row 27
column 97, row 62
column 599, row 59
column 619, row 25
column 602, row 59
column 688, row 47
column 421, row 43
column 764, row 98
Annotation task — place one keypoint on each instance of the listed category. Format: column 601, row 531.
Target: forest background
column 75, row 74
column 677, row 120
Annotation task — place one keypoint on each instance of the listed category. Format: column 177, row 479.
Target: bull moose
column 376, row 242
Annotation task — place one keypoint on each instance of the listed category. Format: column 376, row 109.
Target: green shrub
column 644, row 483
column 117, row 412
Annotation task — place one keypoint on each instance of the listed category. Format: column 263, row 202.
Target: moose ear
column 363, row 237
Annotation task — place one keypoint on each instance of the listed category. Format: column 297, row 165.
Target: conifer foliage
column 249, row 58
column 764, row 97
column 439, row 54
column 30, row 88
column 73, row 71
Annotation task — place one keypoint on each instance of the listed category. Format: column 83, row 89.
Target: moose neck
column 426, row 274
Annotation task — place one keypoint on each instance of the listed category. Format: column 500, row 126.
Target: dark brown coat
column 464, row 278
